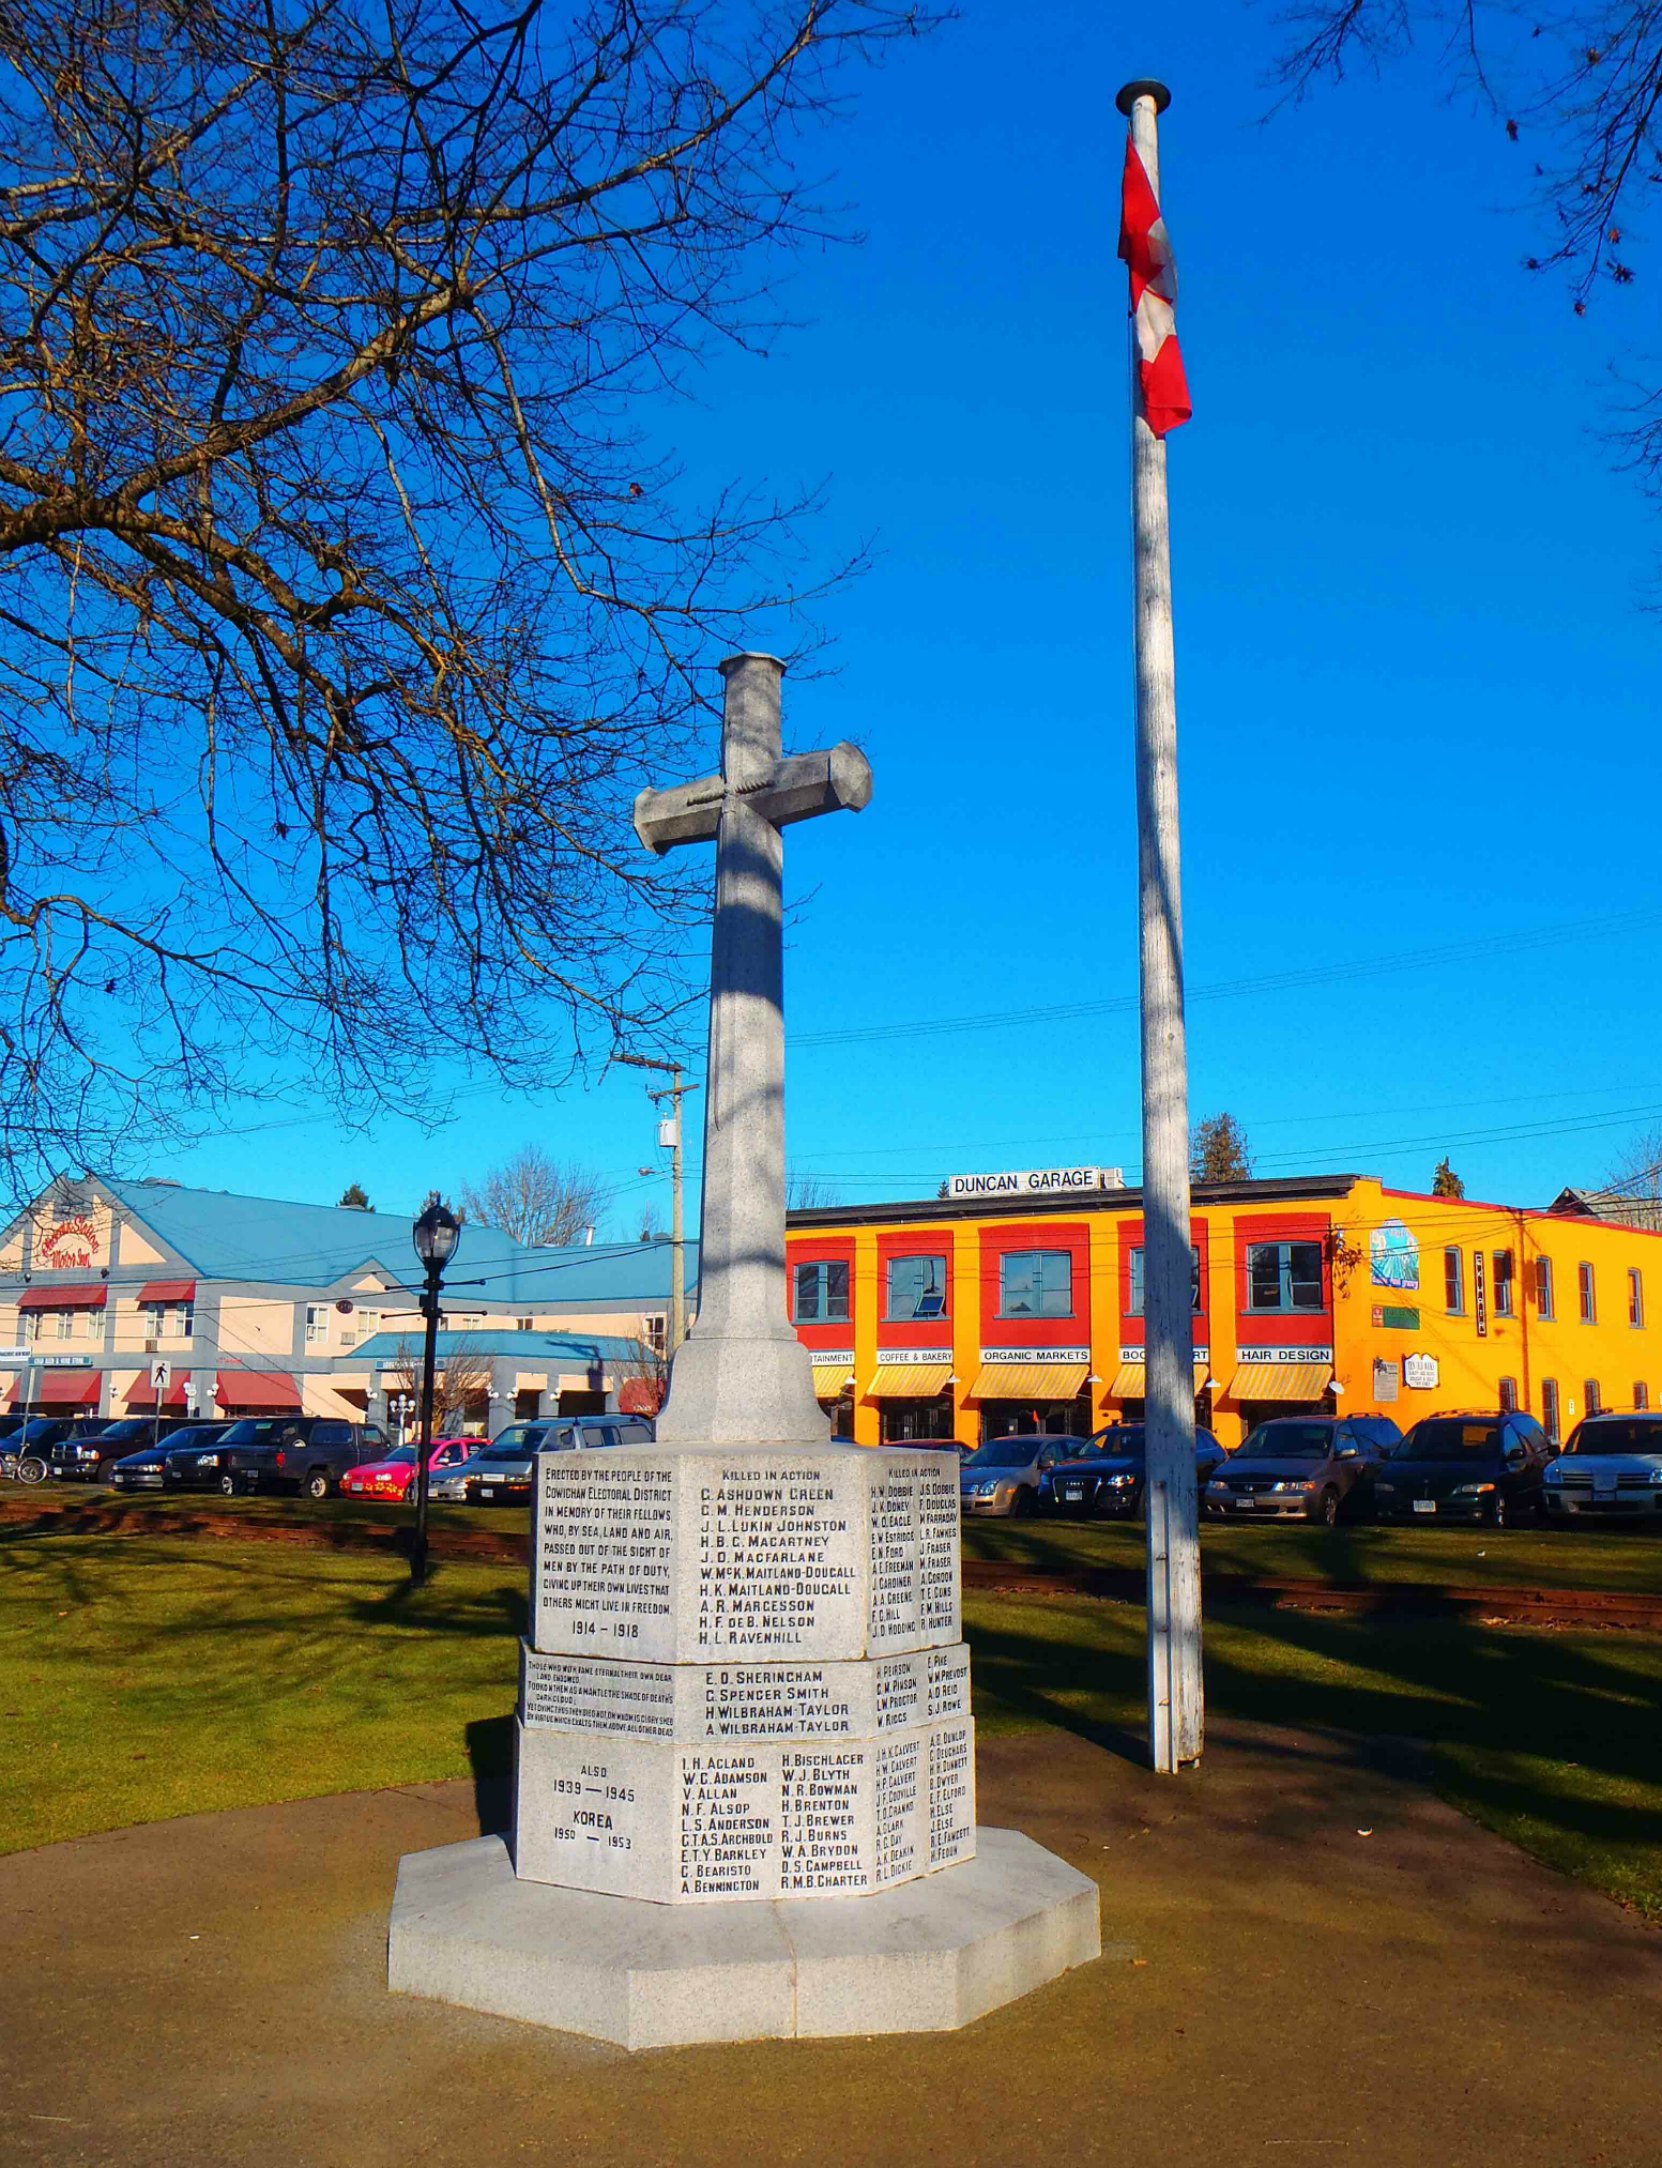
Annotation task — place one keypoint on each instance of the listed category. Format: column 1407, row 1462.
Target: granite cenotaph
column 745, row 1791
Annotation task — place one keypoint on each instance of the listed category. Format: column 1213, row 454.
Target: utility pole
column 675, row 1091
column 1175, row 1707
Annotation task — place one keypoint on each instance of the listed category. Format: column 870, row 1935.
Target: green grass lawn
column 1463, row 1557
column 151, row 1677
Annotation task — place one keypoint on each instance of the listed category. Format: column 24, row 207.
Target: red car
column 391, row 1478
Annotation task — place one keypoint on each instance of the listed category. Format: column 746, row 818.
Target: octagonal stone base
column 927, row 1956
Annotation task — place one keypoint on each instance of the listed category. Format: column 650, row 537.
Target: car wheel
column 1021, row 1505
column 317, row 1483
column 230, row 1486
column 1327, row 1508
column 106, row 1471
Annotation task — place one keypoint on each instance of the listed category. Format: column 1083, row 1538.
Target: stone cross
column 742, row 1377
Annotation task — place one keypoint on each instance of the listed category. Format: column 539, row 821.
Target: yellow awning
column 1029, row 1381
column 1280, row 1381
column 829, row 1380
column 1130, row 1380
column 908, row 1381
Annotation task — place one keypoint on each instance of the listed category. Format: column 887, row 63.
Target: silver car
column 1611, row 1467
column 1001, row 1478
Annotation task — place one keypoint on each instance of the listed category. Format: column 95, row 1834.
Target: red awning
column 67, row 1388
column 273, row 1389
column 64, row 1298
column 168, row 1291
column 141, row 1397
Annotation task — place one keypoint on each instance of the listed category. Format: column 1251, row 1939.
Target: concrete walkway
column 208, row 1994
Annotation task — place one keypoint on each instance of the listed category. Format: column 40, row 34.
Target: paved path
column 207, row 1994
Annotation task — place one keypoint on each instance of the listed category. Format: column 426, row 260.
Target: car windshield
column 135, row 1427
column 1450, row 1437
column 259, row 1430
column 399, row 1456
column 1289, row 1441
column 498, row 1457
column 518, row 1438
column 1005, row 1453
column 1123, row 1442
column 1617, row 1434
column 185, row 1441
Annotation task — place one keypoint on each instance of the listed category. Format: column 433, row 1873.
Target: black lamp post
column 435, row 1235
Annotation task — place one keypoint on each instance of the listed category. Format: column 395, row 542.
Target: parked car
column 299, row 1452
column 1001, row 1478
column 1303, row 1467
column 1485, row 1466
column 147, row 1468
column 1111, row 1474
column 503, row 1474
column 1611, row 1465
column 91, row 1448
column 391, row 1477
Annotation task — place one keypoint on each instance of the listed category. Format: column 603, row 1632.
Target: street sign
column 160, row 1375
column 14, row 1354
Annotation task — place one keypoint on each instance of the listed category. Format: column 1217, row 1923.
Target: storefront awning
column 273, row 1389
column 90, row 1297
column 140, row 1397
column 908, row 1381
column 67, row 1388
column 1131, row 1380
column 168, row 1291
column 829, row 1380
column 1280, row 1381
column 1029, row 1381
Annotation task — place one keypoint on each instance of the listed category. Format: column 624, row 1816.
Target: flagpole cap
column 1148, row 88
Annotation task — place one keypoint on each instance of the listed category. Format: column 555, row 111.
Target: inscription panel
column 700, row 1703
column 683, row 1824
column 773, row 1556
column 602, row 1575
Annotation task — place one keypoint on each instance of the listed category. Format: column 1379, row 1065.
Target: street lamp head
column 435, row 1235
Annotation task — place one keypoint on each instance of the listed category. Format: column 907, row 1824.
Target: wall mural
column 1394, row 1257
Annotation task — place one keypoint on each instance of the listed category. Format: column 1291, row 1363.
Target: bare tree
column 536, row 1199
column 804, row 1192
column 1633, row 1187
column 1218, row 1151
column 1572, row 92
column 463, row 1376
column 342, row 596
column 643, row 1375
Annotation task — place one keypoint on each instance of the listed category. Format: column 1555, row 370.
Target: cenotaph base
column 745, row 1795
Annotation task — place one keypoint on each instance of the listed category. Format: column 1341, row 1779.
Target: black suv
column 294, row 1452
column 1482, row 1467
column 90, row 1452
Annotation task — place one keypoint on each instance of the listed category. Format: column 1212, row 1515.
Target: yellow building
column 1020, row 1307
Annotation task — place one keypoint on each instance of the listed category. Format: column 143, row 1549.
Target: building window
column 915, row 1288
column 821, row 1292
column 1635, row 1298
column 1549, row 1408
column 184, row 1321
column 525, row 1324
column 1134, row 1307
column 1641, row 1396
column 29, row 1321
column 1503, row 1283
column 657, row 1331
column 1594, row 1405
column 1035, row 1283
column 1589, row 1302
column 1508, row 1396
column 1284, row 1276
column 1454, row 1283
column 64, row 1324
column 1543, row 1286
column 155, row 1317
column 317, row 1324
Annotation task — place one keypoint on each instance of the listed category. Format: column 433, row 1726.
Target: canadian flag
column 1146, row 249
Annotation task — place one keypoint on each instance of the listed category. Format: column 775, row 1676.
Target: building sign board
column 1140, row 1354
column 1420, row 1373
column 1023, row 1355
column 1386, row 1379
column 1035, row 1182
column 909, row 1355
column 1396, row 1316
column 67, row 1245
column 1480, row 1296
column 1285, row 1355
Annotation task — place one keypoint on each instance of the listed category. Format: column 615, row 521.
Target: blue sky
column 1416, row 671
